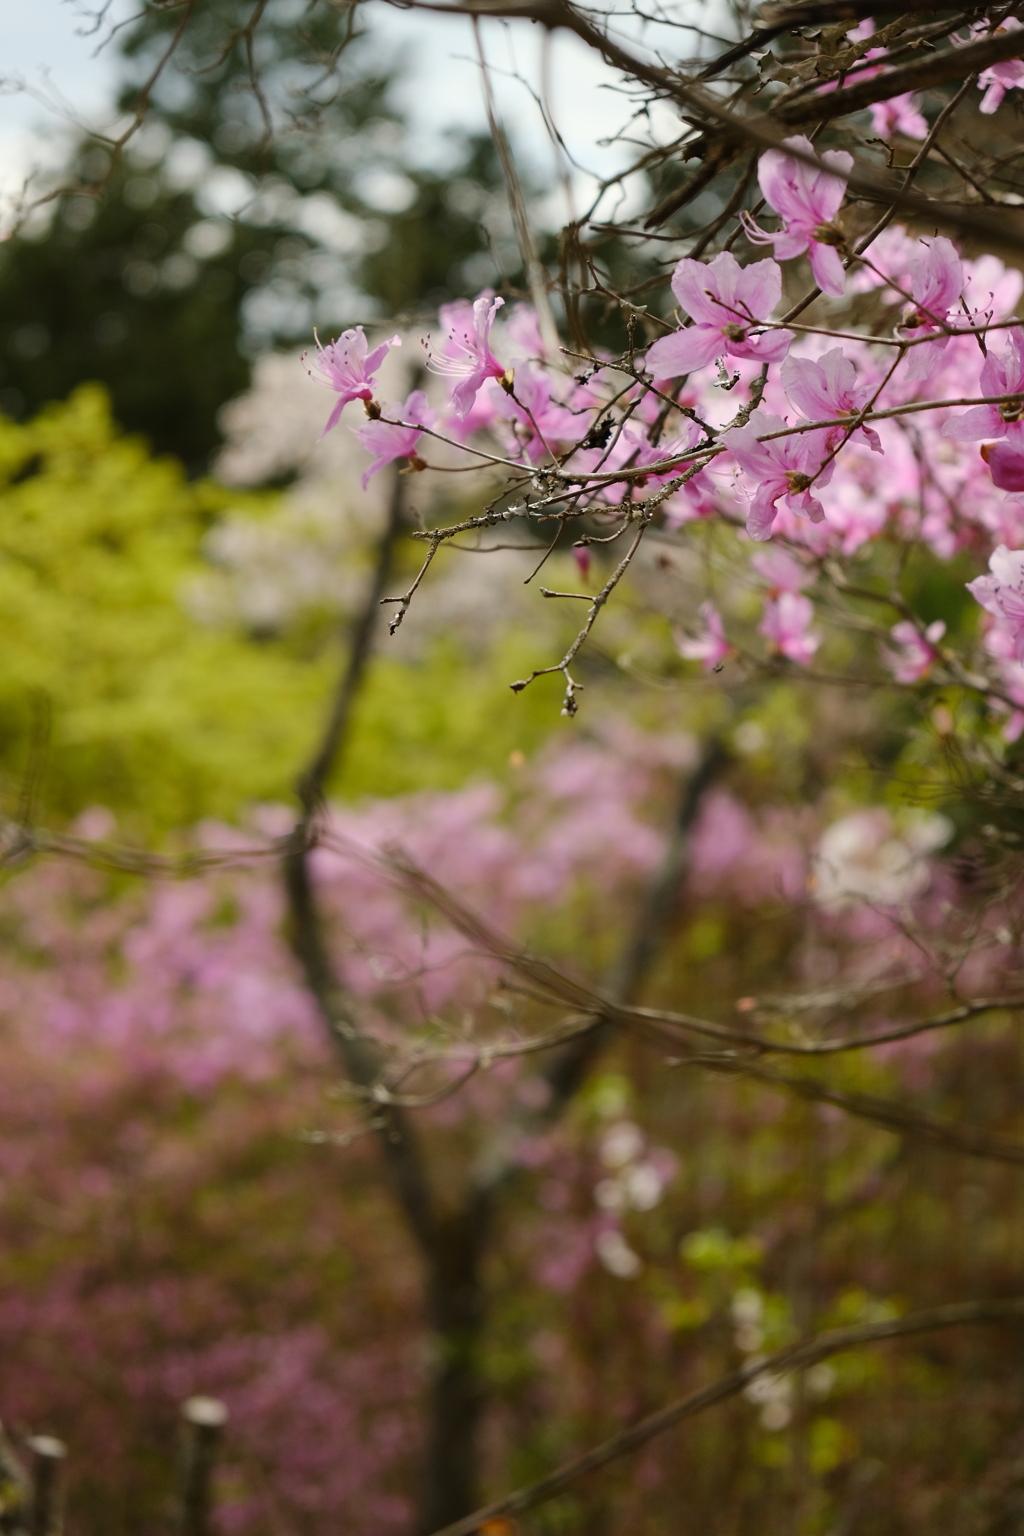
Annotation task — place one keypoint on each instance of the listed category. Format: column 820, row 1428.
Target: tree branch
column 361, row 1059
column 740, row 1061
column 573, row 1060
column 920, row 75
column 768, row 131
column 796, row 1358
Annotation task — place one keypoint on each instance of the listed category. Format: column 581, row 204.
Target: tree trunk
column 456, row 1311
column 456, row 1300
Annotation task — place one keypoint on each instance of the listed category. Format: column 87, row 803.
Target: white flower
column 622, row 1144
column 864, row 857
column 616, row 1255
column 644, row 1186
column 610, row 1195
column 747, row 1307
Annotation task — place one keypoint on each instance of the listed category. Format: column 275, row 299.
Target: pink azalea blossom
column 827, row 388
column 917, row 652
column 709, row 648
column 523, row 331
column 891, row 254
column 936, row 283
column 991, row 289
column 781, row 571
column 467, row 354
column 899, row 114
column 807, row 201
column 396, row 438
column 783, row 468
column 695, row 498
column 488, row 409
column 692, row 502
column 859, row 503
column 724, row 300
column 543, row 424
column 786, row 623
column 1000, row 78
column 1006, row 462
column 1001, row 593
column 646, row 453
column 1000, row 645
column 346, row 367
column 1000, row 375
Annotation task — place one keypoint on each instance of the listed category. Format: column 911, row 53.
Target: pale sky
column 45, row 47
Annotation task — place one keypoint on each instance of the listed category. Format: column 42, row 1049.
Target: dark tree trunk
column 456, row 1311
column 452, row 1244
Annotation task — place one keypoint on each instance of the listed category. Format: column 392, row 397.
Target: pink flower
column 398, row 437
column 913, row 661
column 710, row 648
column 523, row 331
column 724, row 300
column 645, row 453
column 991, row 290
column 696, row 497
column 785, row 623
column 936, row 283
column 1000, row 645
column 827, row 388
column 1006, row 462
column 807, row 201
column 346, row 367
column 467, row 354
column 784, row 467
column 1000, row 375
column 1000, row 78
column 543, row 423
column 780, row 570
column 897, row 115
column 1001, row 593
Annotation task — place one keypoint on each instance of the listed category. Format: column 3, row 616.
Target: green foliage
column 167, row 720
column 713, row 1249
column 435, row 722
column 150, row 713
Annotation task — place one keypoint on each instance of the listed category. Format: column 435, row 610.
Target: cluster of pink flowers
column 829, row 449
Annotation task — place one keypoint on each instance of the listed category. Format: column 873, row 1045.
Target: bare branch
column 796, row 1358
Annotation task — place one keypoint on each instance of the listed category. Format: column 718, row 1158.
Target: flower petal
column 827, row 266
column 672, row 356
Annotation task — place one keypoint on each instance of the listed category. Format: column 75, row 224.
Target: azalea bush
column 191, row 1202
column 855, row 450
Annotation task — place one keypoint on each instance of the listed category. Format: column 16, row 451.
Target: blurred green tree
column 167, row 720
